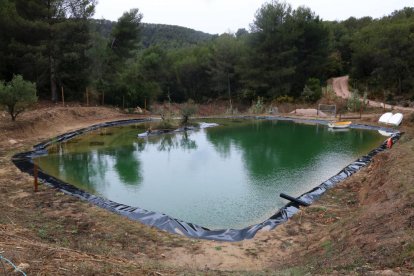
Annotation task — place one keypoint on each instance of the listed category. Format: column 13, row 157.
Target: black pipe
column 297, row 201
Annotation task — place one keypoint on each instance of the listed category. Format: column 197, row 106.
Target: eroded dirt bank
column 365, row 225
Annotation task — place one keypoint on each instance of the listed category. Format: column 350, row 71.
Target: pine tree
column 47, row 41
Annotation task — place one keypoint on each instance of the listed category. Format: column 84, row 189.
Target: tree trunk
column 53, row 89
column 399, row 85
column 10, row 109
column 229, row 90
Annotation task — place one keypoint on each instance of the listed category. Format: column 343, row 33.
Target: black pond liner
column 24, row 161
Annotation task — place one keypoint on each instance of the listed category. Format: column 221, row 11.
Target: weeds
column 258, row 106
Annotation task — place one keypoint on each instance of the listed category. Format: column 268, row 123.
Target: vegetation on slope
column 129, row 63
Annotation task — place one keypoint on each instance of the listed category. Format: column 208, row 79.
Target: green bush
column 312, row 91
column 355, row 103
column 17, row 95
column 258, row 106
column 285, row 99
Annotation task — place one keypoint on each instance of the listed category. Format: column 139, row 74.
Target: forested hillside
column 377, row 53
column 287, row 54
column 167, row 36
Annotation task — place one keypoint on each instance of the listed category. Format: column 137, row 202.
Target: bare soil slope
column 364, row 225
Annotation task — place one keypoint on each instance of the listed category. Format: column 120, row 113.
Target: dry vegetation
column 364, row 225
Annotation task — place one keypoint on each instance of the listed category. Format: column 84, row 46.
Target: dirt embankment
column 364, row 225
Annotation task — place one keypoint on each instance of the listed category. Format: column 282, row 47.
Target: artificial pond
column 229, row 176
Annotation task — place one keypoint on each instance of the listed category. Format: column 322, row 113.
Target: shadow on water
column 273, row 146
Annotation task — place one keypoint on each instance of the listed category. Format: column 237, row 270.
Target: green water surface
column 228, row 176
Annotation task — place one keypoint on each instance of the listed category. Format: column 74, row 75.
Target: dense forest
column 166, row 36
column 287, row 53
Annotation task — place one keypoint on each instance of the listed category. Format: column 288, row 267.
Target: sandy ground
column 363, row 226
column 308, row 112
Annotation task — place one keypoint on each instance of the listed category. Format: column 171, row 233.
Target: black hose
column 295, row 200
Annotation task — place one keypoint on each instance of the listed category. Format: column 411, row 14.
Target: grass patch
column 327, row 247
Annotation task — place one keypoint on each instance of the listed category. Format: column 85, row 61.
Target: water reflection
column 127, row 165
column 272, row 146
column 168, row 142
column 267, row 146
column 223, row 177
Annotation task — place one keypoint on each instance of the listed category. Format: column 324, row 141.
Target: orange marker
column 389, row 143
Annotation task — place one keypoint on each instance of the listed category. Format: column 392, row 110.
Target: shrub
column 187, row 111
column 17, row 95
column 167, row 121
column 285, row 99
column 258, row 106
column 312, row 91
column 354, row 103
column 329, row 94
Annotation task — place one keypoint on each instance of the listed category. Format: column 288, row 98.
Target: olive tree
column 17, row 95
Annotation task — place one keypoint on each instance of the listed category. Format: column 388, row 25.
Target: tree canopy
column 17, row 95
column 287, row 52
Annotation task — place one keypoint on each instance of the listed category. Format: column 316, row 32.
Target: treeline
column 287, row 54
column 166, row 36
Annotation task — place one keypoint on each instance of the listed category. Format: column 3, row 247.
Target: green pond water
column 228, row 176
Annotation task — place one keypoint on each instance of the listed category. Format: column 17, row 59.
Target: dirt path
column 341, row 88
column 57, row 234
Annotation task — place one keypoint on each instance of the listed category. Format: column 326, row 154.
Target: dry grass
column 364, row 225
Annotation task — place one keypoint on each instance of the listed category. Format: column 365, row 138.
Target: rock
column 138, row 110
column 12, row 141
column 22, row 267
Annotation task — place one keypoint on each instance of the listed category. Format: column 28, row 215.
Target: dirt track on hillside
column 365, row 224
column 341, row 88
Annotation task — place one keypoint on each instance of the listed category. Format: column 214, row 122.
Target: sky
column 220, row 16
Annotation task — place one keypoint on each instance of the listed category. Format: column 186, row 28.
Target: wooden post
column 36, row 184
column 63, row 97
column 123, row 102
column 145, row 104
column 103, row 97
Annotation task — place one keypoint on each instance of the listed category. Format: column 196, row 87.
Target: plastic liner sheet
column 24, row 161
